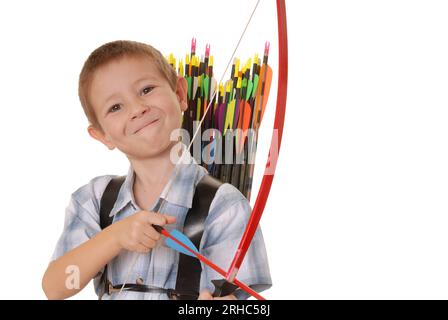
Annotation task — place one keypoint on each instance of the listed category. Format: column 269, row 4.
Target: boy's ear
column 99, row 135
column 181, row 92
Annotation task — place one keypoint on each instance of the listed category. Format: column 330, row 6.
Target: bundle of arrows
column 232, row 113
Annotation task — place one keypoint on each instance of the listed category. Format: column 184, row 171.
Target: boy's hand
column 206, row 295
column 135, row 233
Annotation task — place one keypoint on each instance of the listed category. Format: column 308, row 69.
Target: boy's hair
column 113, row 51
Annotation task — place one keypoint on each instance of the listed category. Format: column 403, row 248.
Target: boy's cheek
column 117, row 128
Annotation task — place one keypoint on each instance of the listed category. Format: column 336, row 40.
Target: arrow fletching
column 182, row 238
column 228, row 124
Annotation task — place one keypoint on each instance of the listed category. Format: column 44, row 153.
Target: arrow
column 257, row 116
column 176, row 240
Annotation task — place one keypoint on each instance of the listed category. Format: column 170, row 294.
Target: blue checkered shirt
column 228, row 216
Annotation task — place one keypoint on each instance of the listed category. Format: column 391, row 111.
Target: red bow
column 276, row 140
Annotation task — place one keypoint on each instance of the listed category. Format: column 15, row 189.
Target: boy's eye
column 147, row 90
column 114, row 108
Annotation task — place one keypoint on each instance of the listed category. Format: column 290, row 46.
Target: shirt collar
column 178, row 191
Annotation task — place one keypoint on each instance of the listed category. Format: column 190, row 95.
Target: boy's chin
column 151, row 150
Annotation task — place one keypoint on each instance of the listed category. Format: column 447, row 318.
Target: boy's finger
column 157, row 219
column 229, row 297
column 141, row 248
column 149, row 231
column 170, row 219
column 205, row 295
column 148, row 242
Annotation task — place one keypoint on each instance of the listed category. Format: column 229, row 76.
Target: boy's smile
column 136, row 107
column 149, row 123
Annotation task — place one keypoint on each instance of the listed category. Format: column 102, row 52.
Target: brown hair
column 112, row 51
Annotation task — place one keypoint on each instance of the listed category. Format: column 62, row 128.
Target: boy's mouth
column 146, row 124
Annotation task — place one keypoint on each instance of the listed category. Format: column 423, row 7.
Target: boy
column 134, row 100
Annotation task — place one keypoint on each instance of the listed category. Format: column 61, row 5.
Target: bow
column 276, row 140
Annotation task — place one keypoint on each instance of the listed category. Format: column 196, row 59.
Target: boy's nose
column 139, row 110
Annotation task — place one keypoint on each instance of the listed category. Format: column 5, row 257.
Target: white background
column 358, row 208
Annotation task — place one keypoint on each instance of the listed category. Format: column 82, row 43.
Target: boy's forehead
column 129, row 67
column 120, row 74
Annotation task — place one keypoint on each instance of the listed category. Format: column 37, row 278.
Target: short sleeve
column 81, row 216
column 80, row 225
column 228, row 216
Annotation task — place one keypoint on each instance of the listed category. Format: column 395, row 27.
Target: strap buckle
column 184, row 295
column 111, row 289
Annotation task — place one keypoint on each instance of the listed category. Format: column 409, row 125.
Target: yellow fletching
column 237, row 67
column 181, row 68
column 228, row 85
column 249, row 62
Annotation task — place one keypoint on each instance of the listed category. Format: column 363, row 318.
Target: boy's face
column 136, row 107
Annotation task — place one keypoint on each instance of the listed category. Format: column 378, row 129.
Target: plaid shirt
column 228, row 216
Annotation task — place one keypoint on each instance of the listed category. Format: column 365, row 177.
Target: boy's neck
column 153, row 173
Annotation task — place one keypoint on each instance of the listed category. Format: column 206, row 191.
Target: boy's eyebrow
column 147, row 77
